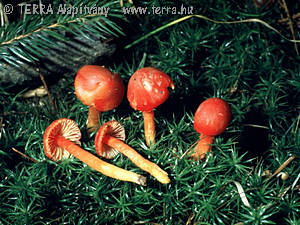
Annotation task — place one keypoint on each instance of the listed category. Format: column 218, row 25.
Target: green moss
column 248, row 65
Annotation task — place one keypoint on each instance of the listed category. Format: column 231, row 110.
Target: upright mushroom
column 61, row 139
column 100, row 89
column 211, row 118
column 147, row 89
column 109, row 142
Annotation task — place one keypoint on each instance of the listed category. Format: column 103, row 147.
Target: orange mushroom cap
column 99, row 87
column 64, row 127
column 148, row 88
column 212, row 117
column 114, row 129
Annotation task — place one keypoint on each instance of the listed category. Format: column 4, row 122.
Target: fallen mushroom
column 37, row 92
column 147, row 89
column 211, row 119
column 100, row 89
column 283, row 175
column 61, row 139
column 109, row 142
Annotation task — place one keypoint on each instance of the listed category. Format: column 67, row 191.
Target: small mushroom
column 109, row 142
column 211, row 118
column 61, row 139
column 100, row 89
column 147, row 89
column 283, row 175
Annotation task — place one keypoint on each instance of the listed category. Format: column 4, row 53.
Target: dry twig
column 283, row 165
column 25, row 156
column 46, row 88
column 190, row 219
column 291, row 25
column 286, row 20
column 234, row 88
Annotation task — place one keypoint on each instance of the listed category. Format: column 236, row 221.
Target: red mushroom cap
column 212, row 117
column 114, row 129
column 64, row 127
column 99, row 87
column 148, row 88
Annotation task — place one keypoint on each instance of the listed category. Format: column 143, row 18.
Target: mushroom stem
column 137, row 159
column 149, row 127
column 98, row 164
column 203, row 146
column 93, row 119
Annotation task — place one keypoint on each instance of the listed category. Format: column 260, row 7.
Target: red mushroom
column 147, row 89
column 109, row 142
column 99, row 89
column 61, row 139
column 211, row 118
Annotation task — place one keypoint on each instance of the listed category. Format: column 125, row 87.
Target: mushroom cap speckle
column 114, row 129
column 97, row 86
column 148, row 88
column 212, row 117
column 64, row 127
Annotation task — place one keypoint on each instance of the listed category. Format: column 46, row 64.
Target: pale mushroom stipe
column 100, row 89
column 211, row 118
column 109, row 142
column 61, row 140
column 147, row 89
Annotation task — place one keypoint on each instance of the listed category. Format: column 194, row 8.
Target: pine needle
column 287, row 162
column 25, row 156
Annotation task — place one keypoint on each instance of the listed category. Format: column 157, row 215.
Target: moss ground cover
column 250, row 66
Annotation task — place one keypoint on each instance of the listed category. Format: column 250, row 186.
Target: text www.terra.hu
column 183, row 10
